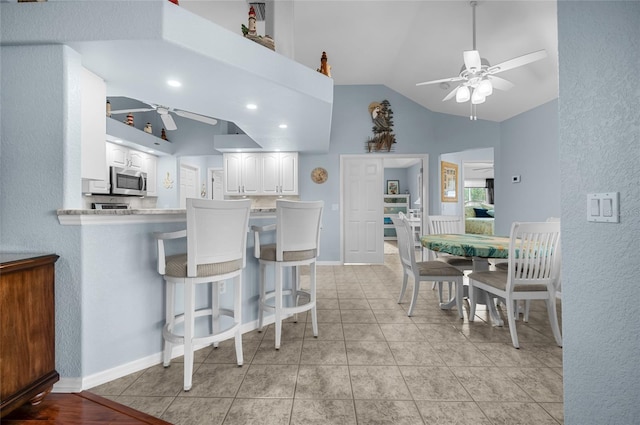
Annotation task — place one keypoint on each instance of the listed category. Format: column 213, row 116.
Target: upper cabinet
column 256, row 173
column 279, row 173
column 242, row 173
column 93, row 126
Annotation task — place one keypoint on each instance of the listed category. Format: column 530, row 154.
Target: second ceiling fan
column 477, row 77
column 166, row 117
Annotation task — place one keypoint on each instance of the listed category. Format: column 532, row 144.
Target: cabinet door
column 136, row 160
column 289, row 173
column 150, row 167
column 232, row 173
column 117, row 155
column 251, row 173
column 270, row 173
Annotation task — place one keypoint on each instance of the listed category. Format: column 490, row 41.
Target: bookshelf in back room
column 393, row 204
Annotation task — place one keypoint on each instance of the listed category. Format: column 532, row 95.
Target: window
column 475, row 194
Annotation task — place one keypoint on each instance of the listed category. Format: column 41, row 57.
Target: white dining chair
column 216, row 237
column 436, row 271
column 451, row 224
column 533, row 268
column 297, row 244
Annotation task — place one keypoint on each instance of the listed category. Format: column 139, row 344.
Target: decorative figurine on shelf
column 251, row 33
column 148, row 129
column 325, row 68
column 382, row 117
column 108, row 108
column 163, row 135
column 252, row 21
column 129, row 120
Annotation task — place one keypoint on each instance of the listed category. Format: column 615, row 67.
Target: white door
column 216, row 184
column 362, row 181
column 188, row 183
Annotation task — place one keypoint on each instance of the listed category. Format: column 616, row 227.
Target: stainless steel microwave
column 125, row 181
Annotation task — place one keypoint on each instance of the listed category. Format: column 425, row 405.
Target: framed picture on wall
column 448, row 182
column 393, row 187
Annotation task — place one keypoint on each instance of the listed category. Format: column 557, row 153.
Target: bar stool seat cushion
column 177, row 267
column 268, row 253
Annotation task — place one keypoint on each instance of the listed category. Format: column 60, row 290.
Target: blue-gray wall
column 599, row 151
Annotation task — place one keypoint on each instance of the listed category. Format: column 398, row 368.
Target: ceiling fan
column 477, row 76
column 165, row 115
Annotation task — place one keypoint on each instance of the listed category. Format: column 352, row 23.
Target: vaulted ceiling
column 400, row 43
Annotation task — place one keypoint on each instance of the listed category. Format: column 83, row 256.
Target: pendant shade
column 463, row 94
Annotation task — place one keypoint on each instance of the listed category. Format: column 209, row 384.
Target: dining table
column 478, row 247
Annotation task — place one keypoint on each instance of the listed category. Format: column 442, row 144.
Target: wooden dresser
column 27, row 329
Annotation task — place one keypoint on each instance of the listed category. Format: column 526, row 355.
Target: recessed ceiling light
column 282, row 126
column 252, row 106
column 149, row 151
column 118, row 141
column 174, row 83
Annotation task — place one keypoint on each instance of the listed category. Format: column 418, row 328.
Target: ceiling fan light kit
column 477, row 76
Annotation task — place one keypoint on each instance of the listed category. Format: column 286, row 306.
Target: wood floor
column 82, row 408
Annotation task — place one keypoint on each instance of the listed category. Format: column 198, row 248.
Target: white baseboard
column 73, row 385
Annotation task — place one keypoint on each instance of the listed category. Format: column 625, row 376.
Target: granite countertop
column 142, row 211
column 137, row 215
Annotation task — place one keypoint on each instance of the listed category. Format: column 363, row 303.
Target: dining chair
column 434, row 270
column 297, row 244
column 504, row 265
column 216, row 238
column 533, row 268
column 440, row 224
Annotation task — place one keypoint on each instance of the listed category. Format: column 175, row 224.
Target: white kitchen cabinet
column 93, row 126
column 121, row 156
column 150, row 166
column 242, row 173
column 279, row 173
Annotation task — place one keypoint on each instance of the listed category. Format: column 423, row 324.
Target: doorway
column 363, row 188
column 189, row 183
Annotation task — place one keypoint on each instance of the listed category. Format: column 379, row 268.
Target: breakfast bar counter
column 143, row 215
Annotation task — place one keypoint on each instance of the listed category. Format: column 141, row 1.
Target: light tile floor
column 371, row 364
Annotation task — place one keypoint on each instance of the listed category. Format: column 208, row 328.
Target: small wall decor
column 319, row 175
column 448, row 182
column 382, row 117
column 393, row 187
column 325, row 68
column 167, row 182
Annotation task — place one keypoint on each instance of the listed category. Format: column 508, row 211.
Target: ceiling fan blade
column 196, row 117
column 444, row 80
column 451, row 94
column 500, row 83
column 472, row 60
column 168, row 122
column 126, row 111
column 519, row 61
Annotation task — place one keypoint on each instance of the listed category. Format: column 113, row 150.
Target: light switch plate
column 603, row 207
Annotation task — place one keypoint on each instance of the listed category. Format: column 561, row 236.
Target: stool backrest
column 298, row 226
column 216, row 231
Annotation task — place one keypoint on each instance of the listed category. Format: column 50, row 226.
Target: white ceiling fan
column 165, row 115
column 477, row 77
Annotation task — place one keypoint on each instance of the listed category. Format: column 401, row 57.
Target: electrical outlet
column 223, row 287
